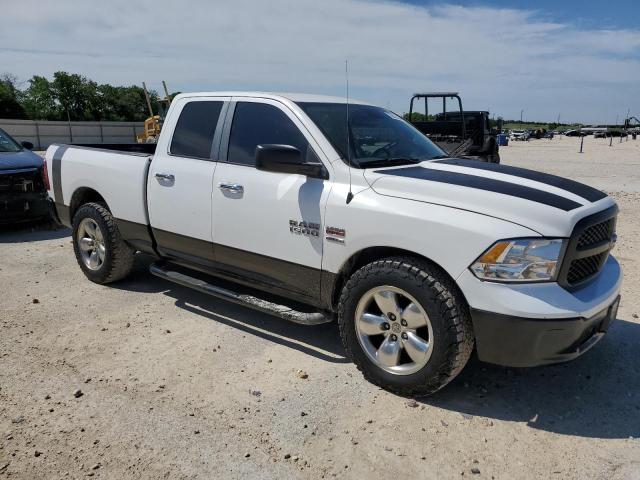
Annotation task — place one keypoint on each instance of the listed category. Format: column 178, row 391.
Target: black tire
column 443, row 303
column 118, row 259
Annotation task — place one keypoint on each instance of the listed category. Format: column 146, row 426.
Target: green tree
column 77, row 96
column 126, row 103
column 10, row 106
column 39, row 100
column 70, row 96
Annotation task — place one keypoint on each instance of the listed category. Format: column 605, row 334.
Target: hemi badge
column 334, row 234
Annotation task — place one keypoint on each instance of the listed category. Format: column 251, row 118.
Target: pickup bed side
column 121, row 183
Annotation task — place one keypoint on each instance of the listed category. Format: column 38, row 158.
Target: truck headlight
column 520, row 260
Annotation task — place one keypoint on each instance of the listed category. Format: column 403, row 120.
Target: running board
column 163, row 270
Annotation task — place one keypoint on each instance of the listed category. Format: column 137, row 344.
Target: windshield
column 8, row 144
column 377, row 137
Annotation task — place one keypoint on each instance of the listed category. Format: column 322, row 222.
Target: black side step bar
column 163, row 270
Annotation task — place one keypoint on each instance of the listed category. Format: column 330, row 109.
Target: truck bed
column 117, row 172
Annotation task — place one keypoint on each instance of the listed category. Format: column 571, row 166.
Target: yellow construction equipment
column 153, row 124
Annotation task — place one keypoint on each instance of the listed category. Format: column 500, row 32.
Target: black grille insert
column 588, row 248
column 24, row 181
column 597, row 233
column 583, row 268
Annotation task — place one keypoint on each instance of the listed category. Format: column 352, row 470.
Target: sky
column 579, row 60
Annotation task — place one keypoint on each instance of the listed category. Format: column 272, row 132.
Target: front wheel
column 405, row 325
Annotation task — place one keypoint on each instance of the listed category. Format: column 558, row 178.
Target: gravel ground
column 144, row 379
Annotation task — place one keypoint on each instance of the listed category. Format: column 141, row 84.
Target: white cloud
column 499, row 59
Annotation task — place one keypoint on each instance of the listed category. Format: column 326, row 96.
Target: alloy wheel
column 91, row 243
column 394, row 330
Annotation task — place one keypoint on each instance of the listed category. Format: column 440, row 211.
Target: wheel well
column 368, row 255
column 80, row 197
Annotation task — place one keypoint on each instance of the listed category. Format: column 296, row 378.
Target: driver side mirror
column 27, row 145
column 286, row 159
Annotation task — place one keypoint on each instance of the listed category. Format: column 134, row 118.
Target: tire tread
column 450, row 303
column 122, row 255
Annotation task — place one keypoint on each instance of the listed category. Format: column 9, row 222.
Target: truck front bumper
column 528, row 342
column 525, row 325
column 20, row 207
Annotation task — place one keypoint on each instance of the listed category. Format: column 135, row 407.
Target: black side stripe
column 488, row 184
column 577, row 188
column 56, row 170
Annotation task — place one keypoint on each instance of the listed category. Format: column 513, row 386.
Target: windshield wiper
column 437, row 157
column 387, row 162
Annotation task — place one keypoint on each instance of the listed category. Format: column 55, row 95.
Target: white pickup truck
column 420, row 258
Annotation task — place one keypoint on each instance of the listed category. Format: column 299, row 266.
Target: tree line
column 72, row 97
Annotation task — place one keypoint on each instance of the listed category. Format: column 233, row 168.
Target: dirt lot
column 178, row 385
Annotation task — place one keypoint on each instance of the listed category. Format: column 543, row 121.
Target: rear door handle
column 165, row 176
column 231, row 187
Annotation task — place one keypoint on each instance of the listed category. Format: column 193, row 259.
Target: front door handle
column 231, row 187
column 165, row 176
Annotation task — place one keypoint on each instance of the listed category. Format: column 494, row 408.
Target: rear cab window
column 195, row 129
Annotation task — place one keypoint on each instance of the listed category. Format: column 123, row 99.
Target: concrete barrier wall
column 44, row 133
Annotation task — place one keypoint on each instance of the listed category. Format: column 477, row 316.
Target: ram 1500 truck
column 314, row 208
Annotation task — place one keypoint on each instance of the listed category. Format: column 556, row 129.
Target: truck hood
column 17, row 160
column 544, row 203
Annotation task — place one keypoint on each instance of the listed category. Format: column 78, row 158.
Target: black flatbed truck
column 461, row 133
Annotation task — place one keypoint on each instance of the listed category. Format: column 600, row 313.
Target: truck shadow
column 32, row 232
column 597, row 395
column 320, row 341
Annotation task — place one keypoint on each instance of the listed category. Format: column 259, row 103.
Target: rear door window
column 260, row 123
column 193, row 135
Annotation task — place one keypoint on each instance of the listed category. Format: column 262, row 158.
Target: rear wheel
column 100, row 251
column 405, row 325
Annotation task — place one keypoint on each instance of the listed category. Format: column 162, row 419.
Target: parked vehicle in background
column 23, row 185
column 537, row 133
column 460, row 133
column 519, row 135
column 574, row 133
column 313, row 209
column 593, row 130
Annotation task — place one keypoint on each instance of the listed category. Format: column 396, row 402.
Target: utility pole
column 521, row 112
